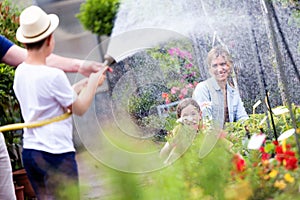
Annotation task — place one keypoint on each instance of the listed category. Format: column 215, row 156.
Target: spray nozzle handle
column 108, row 60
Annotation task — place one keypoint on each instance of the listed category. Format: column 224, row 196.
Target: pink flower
column 167, row 100
column 184, row 91
column 189, row 55
column 188, row 66
column 174, row 90
column 177, row 50
column 181, row 54
column 171, row 52
column 189, row 85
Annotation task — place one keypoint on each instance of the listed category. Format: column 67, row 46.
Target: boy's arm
column 80, row 85
column 87, row 93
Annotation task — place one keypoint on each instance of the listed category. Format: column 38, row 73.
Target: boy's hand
column 99, row 77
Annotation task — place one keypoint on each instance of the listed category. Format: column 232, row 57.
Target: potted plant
column 98, row 16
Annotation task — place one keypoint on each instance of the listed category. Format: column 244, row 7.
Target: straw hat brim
column 54, row 21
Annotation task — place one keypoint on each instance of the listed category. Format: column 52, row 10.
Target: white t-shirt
column 43, row 92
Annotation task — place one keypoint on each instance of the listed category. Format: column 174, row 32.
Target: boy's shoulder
column 40, row 70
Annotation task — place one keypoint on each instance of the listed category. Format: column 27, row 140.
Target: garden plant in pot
column 98, row 17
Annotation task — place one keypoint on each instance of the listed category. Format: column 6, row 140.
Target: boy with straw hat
column 45, row 92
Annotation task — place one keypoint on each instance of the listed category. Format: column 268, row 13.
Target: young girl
column 181, row 137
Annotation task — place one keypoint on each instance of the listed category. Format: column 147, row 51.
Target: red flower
column 279, row 150
column 291, row 163
column 164, row 95
column 265, row 156
column 240, row 164
column 288, row 156
column 275, row 142
column 279, row 154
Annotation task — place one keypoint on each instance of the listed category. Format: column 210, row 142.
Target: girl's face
column 191, row 116
column 219, row 69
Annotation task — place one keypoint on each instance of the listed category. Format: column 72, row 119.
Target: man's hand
column 88, row 67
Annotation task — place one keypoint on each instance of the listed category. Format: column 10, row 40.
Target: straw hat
column 35, row 25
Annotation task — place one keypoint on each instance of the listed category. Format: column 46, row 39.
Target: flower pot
column 19, row 190
column 20, row 178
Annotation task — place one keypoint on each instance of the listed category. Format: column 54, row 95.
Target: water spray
column 269, row 7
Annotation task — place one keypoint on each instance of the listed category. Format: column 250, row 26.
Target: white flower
column 205, row 104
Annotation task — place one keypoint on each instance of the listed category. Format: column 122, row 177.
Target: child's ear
column 48, row 40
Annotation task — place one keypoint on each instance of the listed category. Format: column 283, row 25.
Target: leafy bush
column 176, row 61
column 98, row 16
column 9, row 20
column 272, row 172
column 8, row 103
column 178, row 77
column 9, row 107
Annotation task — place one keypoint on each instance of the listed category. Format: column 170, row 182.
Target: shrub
column 9, row 107
column 98, row 16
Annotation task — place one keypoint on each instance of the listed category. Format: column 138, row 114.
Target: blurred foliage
column 258, row 123
column 9, row 106
column 98, row 16
column 292, row 4
column 267, row 173
column 269, row 177
column 189, row 177
column 9, row 20
column 144, row 100
column 177, row 64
